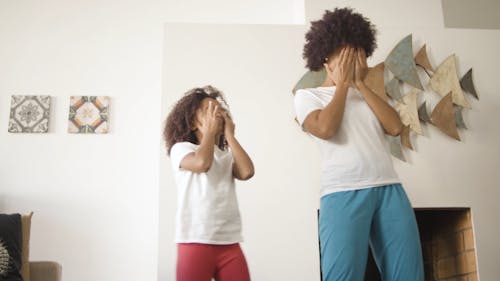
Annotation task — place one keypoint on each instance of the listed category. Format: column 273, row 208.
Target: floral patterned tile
column 88, row 115
column 29, row 114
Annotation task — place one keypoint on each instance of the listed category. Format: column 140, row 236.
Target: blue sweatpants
column 379, row 217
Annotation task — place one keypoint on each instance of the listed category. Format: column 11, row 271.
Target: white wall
column 236, row 11
column 257, row 66
column 95, row 197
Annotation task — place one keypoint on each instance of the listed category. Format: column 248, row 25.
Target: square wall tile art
column 29, row 114
column 88, row 115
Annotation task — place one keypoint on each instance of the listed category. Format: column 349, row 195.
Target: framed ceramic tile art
column 88, row 114
column 29, row 114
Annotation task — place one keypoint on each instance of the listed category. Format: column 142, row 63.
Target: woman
column 362, row 201
column 206, row 158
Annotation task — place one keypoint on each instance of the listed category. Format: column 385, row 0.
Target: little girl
column 206, row 158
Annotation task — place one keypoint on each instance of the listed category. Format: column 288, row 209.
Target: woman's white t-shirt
column 207, row 207
column 357, row 156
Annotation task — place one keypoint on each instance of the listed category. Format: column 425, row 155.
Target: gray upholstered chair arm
column 45, row 271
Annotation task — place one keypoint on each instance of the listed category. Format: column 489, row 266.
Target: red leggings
column 202, row 262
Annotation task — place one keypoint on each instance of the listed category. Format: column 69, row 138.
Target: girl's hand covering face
column 210, row 120
column 341, row 72
column 361, row 66
column 228, row 124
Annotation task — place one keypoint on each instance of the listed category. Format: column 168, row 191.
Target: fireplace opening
column 448, row 247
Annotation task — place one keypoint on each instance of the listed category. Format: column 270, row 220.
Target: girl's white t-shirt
column 357, row 156
column 207, row 207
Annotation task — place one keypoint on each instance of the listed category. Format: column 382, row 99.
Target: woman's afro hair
column 337, row 29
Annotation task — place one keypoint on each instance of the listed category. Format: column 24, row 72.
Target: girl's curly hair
column 337, row 29
column 180, row 121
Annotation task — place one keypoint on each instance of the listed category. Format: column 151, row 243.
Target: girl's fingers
column 209, row 110
column 352, row 52
column 212, row 110
column 362, row 55
column 342, row 54
column 347, row 60
column 215, row 111
column 359, row 57
column 347, row 63
column 346, row 54
column 327, row 68
column 355, row 56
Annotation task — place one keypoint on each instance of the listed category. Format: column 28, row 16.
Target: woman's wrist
column 342, row 88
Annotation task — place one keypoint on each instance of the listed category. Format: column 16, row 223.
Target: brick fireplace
column 448, row 247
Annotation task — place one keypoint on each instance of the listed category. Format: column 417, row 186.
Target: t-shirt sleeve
column 305, row 103
column 179, row 151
